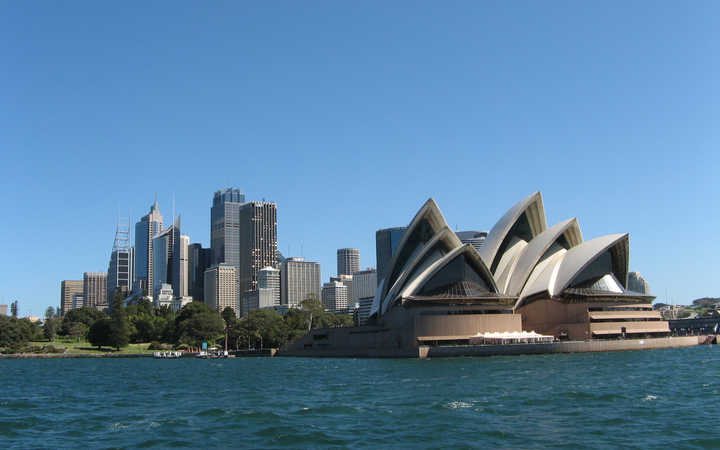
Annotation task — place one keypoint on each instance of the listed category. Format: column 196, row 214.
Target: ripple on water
column 526, row 401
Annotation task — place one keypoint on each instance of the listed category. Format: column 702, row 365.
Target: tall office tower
column 166, row 258
column 474, row 238
column 334, row 296
column 95, row 289
column 269, row 278
column 183, row 269
column 3, row 310
column 68, row 288
column 299, row 280
column 363, row 291
column 637, row 283
column 348, row 261
column 145, row 230
column 258, row 241
column 120, row 269
column 78, row 300
column 386, row 241
column 198, row 262
column 225, row 226
column 221, row 288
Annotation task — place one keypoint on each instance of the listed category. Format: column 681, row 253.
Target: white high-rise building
column 221, row 288
column 269, row 278
column 335, row 296
column 364, row 285
column 299, row 280
column 363, row 291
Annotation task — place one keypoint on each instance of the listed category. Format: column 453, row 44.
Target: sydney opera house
column 526, row 277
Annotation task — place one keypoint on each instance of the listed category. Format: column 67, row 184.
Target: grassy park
column 83, row 346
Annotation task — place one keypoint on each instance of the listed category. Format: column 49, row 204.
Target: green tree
column 14, row 309
column 99, row 333
column 119, row 330
column 15, row 333
column 85, row 316
column 50, row 328
column 268, row 327
column 49, row 313
column 78, row 330
column 196, row 323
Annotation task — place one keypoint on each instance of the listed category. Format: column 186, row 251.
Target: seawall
column 496, row 350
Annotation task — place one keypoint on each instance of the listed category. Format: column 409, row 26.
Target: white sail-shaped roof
column 470, row 254
column 442, row 243
column 537, row 248
column 581, row 257
column 424, row 226
column 531, row 209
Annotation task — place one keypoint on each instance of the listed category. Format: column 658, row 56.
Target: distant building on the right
column 474, row 238
column 3, row 310
column 348, row 261
column 386, row 241
column 637, row 283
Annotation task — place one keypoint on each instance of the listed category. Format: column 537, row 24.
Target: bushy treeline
column 16, row 333
column 268, row 328
column 193, row 324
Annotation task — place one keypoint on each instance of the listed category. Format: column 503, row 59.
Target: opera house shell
column 525, row 277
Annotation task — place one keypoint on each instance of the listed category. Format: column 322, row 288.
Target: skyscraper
column 299, row 280
column 225, row 226
column 120, row 268
column 145, row 230
column 348, row 261
column 183, row 268
column 68, row 288
column 198, row 262
column 166, row 258
column 258, row 241
column 95, row 289
column 386, row 241
column 221, row 288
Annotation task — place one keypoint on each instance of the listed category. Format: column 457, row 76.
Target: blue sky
column 350, row 116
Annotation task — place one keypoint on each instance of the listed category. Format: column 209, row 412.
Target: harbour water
column 642, row 399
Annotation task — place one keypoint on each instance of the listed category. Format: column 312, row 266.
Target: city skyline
column 609, row 110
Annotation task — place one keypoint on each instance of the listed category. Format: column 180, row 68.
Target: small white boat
column 167, row 354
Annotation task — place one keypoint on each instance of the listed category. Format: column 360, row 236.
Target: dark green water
column 645, row 399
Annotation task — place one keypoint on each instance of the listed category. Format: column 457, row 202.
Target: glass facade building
column 386, row 241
